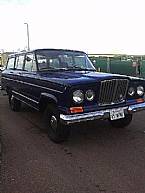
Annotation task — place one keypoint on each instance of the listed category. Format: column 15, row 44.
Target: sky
column 93, row 26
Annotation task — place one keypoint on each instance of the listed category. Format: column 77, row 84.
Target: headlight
column 140, row 90
column 131, row 91
column 90, row 95
column 78, row 96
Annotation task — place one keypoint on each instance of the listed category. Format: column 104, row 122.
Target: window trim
column 34, row 58
column 18, row 55
column 8, row 62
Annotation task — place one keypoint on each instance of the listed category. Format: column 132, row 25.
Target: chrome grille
column 113, row 91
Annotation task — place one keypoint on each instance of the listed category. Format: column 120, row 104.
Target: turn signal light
column 76, row 109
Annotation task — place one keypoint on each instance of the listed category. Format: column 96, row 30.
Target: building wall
column 4, row 57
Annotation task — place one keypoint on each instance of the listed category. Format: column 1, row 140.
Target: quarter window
column 10, row 64
column 30, row 64
column 19, row 62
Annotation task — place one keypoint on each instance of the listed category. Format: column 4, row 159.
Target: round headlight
column 78, row 96
column 131, row 91
column 140, row 90
column 90, row 95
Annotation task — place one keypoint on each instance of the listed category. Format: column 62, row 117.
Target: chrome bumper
column 102, row 114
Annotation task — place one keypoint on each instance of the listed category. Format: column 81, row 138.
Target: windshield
column 63, row 60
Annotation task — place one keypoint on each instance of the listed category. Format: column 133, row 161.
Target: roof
column 45, row 49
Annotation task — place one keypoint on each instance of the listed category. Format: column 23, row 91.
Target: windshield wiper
column 53, row 69
column 74, row 68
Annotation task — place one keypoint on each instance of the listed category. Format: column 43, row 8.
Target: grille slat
column 113, row 91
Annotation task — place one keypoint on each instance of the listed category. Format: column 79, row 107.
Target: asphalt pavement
column 96, row 158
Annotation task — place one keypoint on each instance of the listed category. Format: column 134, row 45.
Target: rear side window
column 10, row 64
column 19, row 62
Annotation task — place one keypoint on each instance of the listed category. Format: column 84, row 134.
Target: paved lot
column 96, row 159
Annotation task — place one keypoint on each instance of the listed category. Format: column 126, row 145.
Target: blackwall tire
column 57, row 132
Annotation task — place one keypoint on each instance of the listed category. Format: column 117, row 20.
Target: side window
column 19, row 62
column 30, row 64
column 10, row 64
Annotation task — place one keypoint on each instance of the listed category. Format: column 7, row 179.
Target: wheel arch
column 46, row 98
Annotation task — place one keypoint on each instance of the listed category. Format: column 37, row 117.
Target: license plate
column 116, row 114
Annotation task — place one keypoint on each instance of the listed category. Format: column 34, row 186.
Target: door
column 30, row 88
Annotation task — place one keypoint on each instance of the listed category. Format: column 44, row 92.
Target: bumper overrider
column 102, row 114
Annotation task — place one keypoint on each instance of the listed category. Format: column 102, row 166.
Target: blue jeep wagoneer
column 65, row 85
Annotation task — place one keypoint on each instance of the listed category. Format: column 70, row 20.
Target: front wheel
column 121, row 123
column 57, row 132
column 14, row 103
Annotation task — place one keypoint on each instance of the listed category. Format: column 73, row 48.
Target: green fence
column 99, row 63
column 122, row 67
column 132, row 66
column 142, row 69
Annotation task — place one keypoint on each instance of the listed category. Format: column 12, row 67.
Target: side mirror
column 28, row 59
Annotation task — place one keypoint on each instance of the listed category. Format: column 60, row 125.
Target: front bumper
column 102, row 114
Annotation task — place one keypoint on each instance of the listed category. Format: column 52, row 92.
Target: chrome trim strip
column 27, row 104
column 30, row 84
column 103, row 114
column 24, row 97
column 137, row 107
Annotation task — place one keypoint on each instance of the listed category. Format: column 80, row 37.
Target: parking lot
column 95, row 159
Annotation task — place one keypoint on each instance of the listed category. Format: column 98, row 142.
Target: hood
column 77, row 77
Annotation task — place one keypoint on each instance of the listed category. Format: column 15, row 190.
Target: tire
column 14, row 103
column 57, row 132
column 121, row 123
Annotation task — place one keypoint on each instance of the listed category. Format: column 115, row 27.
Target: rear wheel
column 14, row 103
column 57, row 132
column 121, row 123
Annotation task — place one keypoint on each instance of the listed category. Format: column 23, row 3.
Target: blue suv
column 65, row 86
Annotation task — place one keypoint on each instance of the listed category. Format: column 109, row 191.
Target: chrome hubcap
column 53, row 122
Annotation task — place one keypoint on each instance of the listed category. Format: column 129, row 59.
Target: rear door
column 30, row 89
column 18, row 72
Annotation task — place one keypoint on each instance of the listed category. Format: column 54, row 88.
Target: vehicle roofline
column 44, row 49
column 53, row 49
